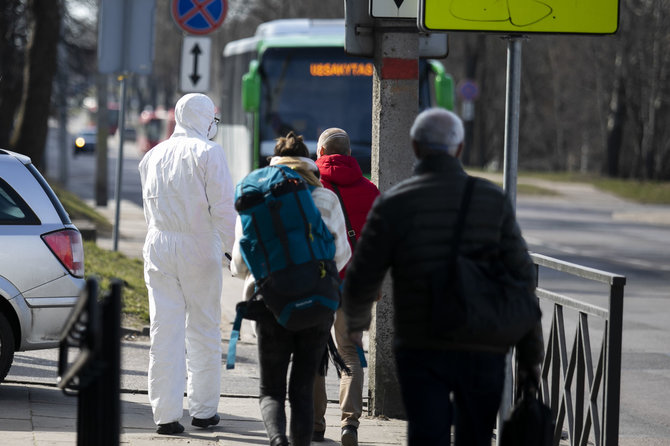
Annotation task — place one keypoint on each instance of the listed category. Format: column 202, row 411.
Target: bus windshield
column 308, row 90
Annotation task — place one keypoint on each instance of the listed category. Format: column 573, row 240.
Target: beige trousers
column 351, row 387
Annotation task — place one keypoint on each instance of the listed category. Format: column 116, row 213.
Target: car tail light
column 68, row 247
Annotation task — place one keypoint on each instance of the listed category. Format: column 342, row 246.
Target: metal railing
column 584, row 396
column 93, row 375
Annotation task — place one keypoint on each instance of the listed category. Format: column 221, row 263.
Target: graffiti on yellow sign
column 521, row 16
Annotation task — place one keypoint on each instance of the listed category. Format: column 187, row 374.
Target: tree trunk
column 101, row 149
column 648, row 137
column 480, row 142
column 11, row 64
column 561, row 153
column 615, row 128
column 32, row 123
column 471, row 59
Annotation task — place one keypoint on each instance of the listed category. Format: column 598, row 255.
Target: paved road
column 607, row 233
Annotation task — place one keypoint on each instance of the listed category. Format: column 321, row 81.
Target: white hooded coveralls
column 188, row 206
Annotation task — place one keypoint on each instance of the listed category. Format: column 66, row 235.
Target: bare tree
column 593, row 103
column 31, row 128
column 640, row 95
column 615, row 122
column 13, row 39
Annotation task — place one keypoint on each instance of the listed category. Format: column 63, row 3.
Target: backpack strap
column 351, row 233
column 234, row 337
column 350, row 230
column 361, row 356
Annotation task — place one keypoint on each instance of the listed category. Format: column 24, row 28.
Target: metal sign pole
column 510, row 170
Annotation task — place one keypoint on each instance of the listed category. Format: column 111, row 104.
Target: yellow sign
column 520, row 16
column 341, row 69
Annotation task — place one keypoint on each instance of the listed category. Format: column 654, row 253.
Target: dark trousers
column 275, row 347
column 441, row 388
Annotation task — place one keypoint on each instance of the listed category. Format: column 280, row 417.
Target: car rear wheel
column 6, row 346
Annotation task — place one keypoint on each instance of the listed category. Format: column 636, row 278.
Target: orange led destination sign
column 340, row 69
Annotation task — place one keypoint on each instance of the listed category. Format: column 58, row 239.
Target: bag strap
column 234, row 337
column 462, row 213
column 350, row 230
column 351, row 233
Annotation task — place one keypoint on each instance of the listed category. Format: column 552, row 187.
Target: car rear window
column 62, row 213
column 13, row 209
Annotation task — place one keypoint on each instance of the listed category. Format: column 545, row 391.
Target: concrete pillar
column 395, row 105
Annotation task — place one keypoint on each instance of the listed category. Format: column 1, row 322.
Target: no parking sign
column 199, row 16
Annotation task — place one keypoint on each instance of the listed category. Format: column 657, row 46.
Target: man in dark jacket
column 341, row 173
column 409, row 230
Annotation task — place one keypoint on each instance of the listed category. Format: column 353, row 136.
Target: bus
column 293, row 74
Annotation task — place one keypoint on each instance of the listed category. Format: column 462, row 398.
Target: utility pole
column 387, row 33
column 395, row 104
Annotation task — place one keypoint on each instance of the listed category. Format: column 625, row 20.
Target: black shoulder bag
column 477, row 301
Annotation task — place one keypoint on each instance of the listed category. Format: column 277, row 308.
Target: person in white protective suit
column 188, row 205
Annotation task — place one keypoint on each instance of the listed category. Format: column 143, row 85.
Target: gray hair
column 335, row 141
column 438, row 129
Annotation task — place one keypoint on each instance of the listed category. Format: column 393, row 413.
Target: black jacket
column 409, row 230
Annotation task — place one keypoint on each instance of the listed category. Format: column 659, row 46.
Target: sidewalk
column 132, row 227
column 40, row 415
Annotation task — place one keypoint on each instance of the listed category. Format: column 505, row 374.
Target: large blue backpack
column 287, row 247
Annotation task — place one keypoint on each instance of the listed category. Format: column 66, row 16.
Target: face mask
column 213, row 128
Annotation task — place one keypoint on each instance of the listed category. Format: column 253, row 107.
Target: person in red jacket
column 341, row 173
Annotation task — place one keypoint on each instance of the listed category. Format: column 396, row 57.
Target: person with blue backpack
column 290, row 243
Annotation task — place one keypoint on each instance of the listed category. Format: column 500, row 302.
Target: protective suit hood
column 194, row 114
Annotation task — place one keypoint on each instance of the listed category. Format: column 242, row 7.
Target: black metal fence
column 581, row 395
column 93, row 374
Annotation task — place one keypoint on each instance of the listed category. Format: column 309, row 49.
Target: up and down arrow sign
column 194, row 76
column 195, row 64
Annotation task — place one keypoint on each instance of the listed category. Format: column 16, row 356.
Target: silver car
column 41, row 261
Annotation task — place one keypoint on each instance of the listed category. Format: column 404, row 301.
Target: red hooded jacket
column 358, row 193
